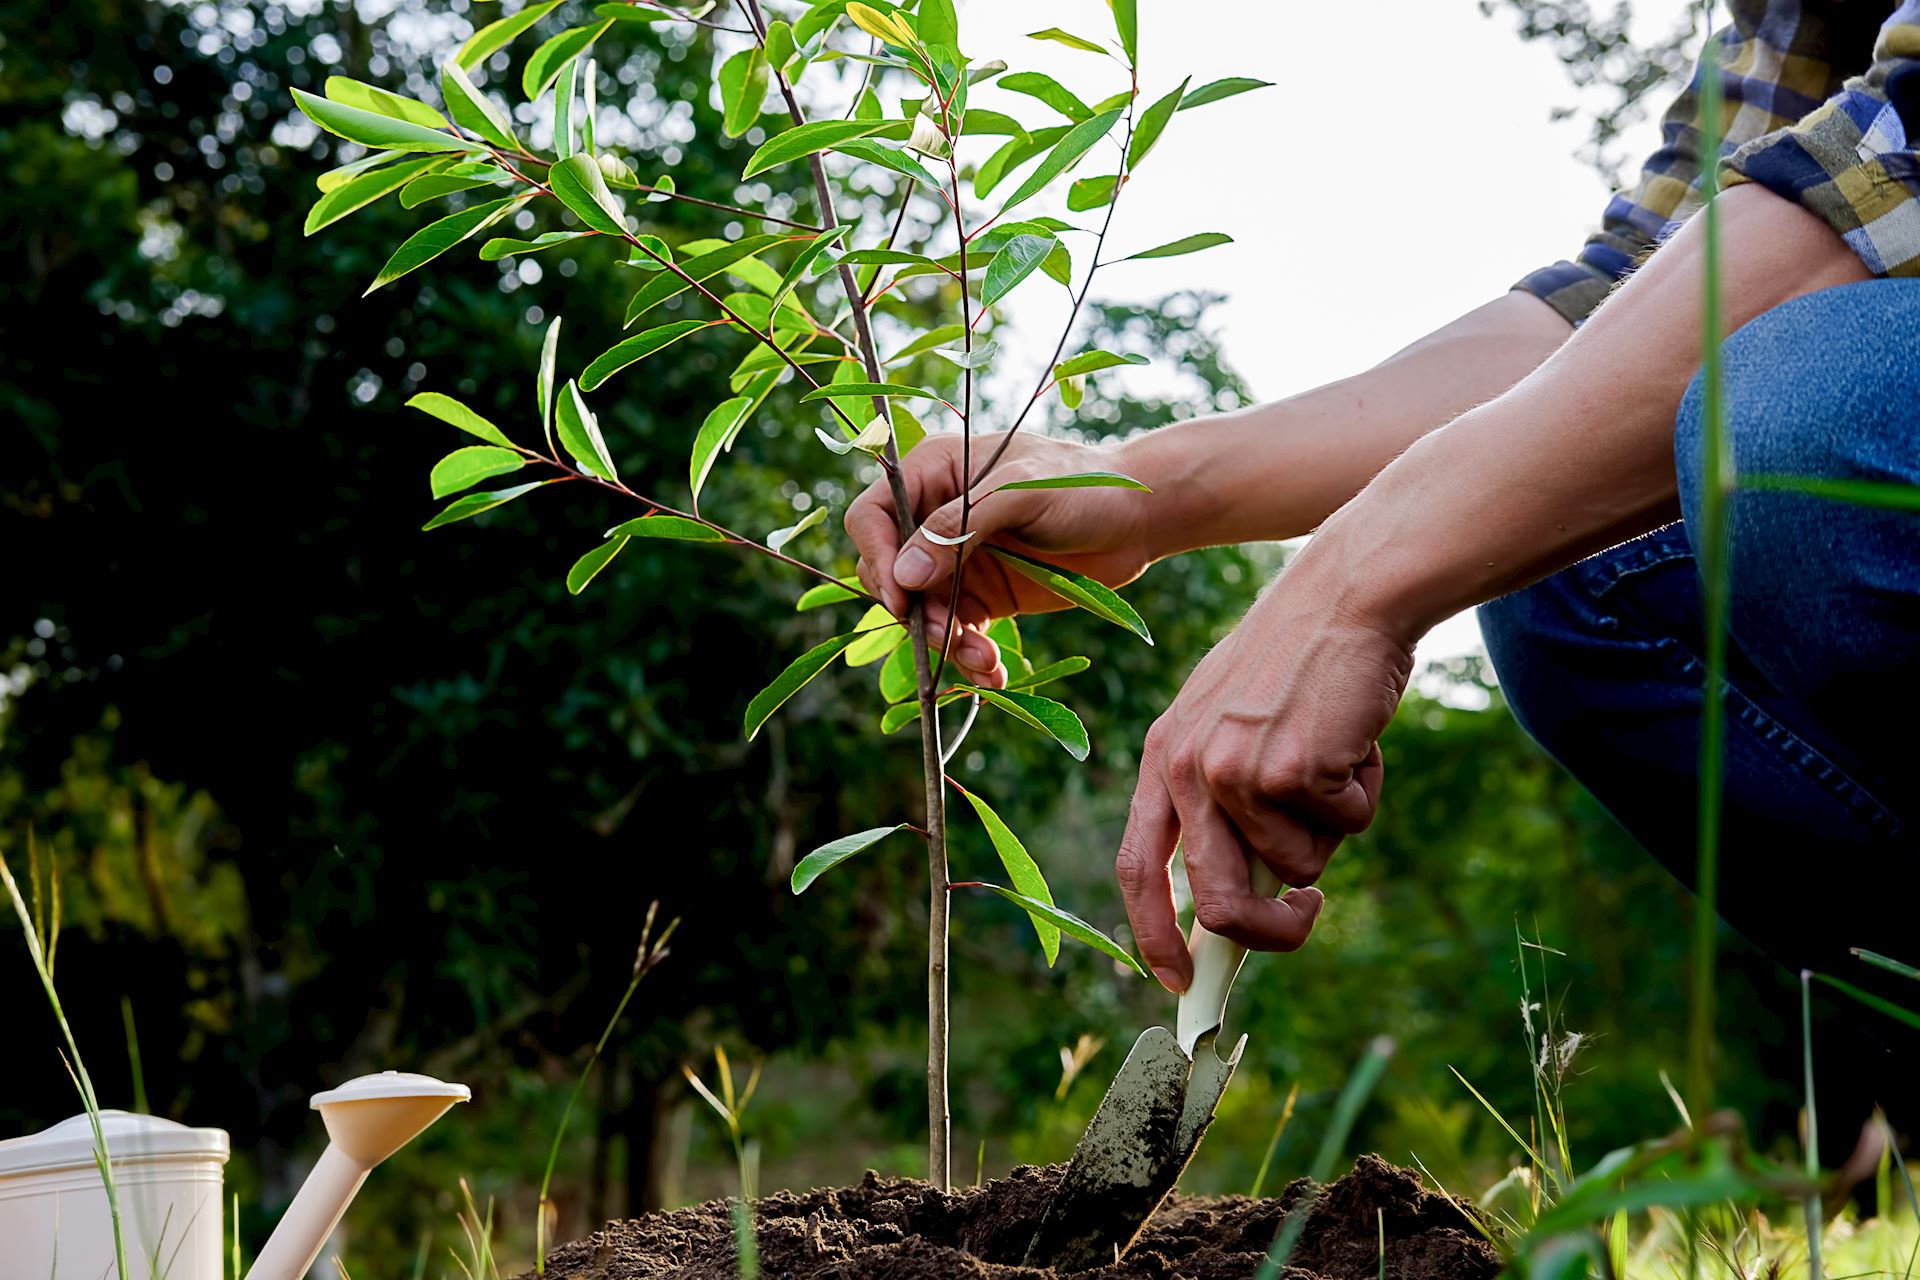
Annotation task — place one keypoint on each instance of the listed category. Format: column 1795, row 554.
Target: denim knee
column 1823, row 385
column 1523, row 632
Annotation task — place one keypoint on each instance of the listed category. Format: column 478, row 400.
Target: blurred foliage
column 1600, row 53
column 333, row 796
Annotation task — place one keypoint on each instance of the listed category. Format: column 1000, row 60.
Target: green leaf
column 1020, row 259
column 1079, row 480
column 898, row 679
column 1153, row 122
column 453, row 413
column 804, row 140
column 589, row 90
column 723, row 423
column 1092, row 193
column 1066, row 922
column 464, row 468
column 789, row 682
column 936, row 24
column 1049, row 91
column 1186, row 244
column 579, row 431
column 545, row 64
column 859, row 389
column 339, row 175
column 1048, row 674
column 1888, row 963
column 887, row 258
column 358, row 192
column 1013, row 153
column 366, row 97
column 434, row 239
column 889, row 157
column 543, row 380
column 1887, row 495
column 926, row 342
column 1127, row 22
column 1021, row 869
column 1055, row 719
column 1077, row 142
column 780, row 44
column 433, row 186
column 374, row 130
column 832, row 854
column 638, row 347
column 743, row 90
column 1089, row 361
column 593, row 562
column 672, row 528
column 879, row 633
column 622, row 11
column 495, row 36
column 578, row 184
column 1076, row 588
column 703, row 266
column 978, row 358
column 782, row 536
column 564, row 96
column 496, row 249
column 474, row 110
column 1067, row 38
column 797, row 270
column 472, row 504
column 1218, row 89
column 983, row 123
column 1878, row 1004
column 827, row 593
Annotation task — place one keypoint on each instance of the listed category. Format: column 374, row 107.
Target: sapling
column 798, row 299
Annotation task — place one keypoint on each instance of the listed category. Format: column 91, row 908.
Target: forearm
column 1578, row 455
column 1278, row 470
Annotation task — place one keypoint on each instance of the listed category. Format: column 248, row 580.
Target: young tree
column 806, row 325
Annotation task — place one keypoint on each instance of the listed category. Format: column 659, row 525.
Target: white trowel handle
column 1216, row 962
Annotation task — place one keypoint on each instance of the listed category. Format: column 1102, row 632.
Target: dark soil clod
column 901, row 1229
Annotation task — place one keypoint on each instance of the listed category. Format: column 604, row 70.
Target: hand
column 1271, row 751
column 1098, row 532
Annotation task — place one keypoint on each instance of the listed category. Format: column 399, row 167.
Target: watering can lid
column 69, row 1144
column 391, row 1084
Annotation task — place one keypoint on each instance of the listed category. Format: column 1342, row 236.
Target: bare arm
column 1271, row 750
column 1267, row 472
column 1278, row 470
column 1579, row 455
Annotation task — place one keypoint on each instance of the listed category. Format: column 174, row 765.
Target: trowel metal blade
column 1134, row 1151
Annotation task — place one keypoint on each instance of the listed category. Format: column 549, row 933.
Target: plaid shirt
column 1822, row 107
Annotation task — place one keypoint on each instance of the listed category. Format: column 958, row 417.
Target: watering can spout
column 367, row 1120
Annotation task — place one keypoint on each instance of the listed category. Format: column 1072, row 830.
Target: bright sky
column 1402, row 170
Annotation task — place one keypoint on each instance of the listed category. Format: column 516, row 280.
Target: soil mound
column 901, row 1229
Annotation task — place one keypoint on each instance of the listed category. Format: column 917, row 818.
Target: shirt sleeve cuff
column 1850, row 164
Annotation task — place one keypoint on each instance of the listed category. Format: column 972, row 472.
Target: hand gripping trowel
column 1152, row 1119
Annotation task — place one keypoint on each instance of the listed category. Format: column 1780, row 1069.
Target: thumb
column 932, row 552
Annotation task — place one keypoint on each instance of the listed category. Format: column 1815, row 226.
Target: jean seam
column 1800, row 754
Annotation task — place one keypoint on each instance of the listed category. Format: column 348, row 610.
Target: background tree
column 407, row 808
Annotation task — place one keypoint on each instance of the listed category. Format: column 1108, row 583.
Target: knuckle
column 1226, row 773
column 1134, row 869
column 1216, row 915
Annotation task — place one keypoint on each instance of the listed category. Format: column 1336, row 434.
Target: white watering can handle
column 1216, row 962
column 367, row 1120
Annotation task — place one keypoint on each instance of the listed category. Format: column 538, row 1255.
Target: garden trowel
column 1150, row 1123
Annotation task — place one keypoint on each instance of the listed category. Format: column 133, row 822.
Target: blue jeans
column 1602, row 664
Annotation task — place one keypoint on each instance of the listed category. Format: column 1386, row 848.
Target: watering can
column 54, row 1221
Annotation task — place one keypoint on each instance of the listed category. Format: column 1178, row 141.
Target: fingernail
column 913, row 568
column 1170, row 980
column 977, row 648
